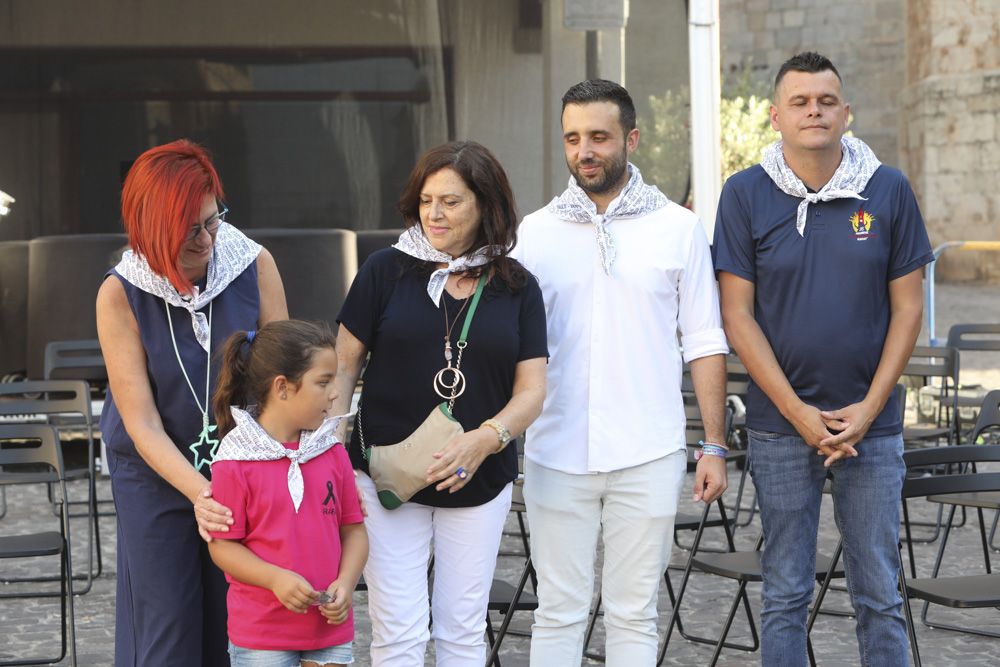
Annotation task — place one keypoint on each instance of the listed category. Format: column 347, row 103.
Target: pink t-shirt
column 308, row 543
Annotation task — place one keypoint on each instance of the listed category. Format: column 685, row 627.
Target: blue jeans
column 789, row 478
column 249, row 657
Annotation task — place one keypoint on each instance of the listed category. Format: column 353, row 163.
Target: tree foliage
column 664, row 154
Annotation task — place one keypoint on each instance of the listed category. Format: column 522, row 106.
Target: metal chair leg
column 741, row 596
column 907, row 611
column 493, row 657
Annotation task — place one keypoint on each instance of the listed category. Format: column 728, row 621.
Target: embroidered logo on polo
column 330, row 500
column 862, row 222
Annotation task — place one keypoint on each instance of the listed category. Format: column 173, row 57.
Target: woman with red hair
column 188, row 281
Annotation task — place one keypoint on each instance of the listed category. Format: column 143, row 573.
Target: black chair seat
column 77, row 473
column 746, row 564
column 684, row 521
column 969, row 401
column 969, row 592
column 989, row 500
column 27, row 546
column 924, row 433
column 28, row 478
column 501, row 593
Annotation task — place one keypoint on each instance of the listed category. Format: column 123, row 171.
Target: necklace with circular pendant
column 449, row 382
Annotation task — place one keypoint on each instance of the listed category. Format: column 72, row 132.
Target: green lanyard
column 454, row 386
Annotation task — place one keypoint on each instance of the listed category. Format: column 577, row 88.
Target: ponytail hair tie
column 250, row 336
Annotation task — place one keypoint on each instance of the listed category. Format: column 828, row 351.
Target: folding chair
column 744, row 567
column 52, row 401
column 507, row 599
column 76, row 360
column 958, row 592
column 988, row 420
column 928, row 364
column 973, row 338
column 737, row 387
column 13, row 455
column 675, row 618
column 519, row 509
column 963, row 592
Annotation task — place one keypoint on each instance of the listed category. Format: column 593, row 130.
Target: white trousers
column 636, row 508
column 466, row 541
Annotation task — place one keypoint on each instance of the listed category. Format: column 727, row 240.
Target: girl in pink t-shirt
column 297, row 543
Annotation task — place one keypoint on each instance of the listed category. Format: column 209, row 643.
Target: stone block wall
column 923, row 79
column 950, row 117
column 863, row 38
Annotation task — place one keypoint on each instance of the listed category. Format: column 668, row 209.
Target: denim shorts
column 251, row 657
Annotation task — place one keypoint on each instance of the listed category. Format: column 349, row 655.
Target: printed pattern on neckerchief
column 232, row 253
column 856, row 168
column 635, row 200
column 248, row 441
column 413, row 242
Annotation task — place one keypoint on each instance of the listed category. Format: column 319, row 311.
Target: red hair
column 161, row 200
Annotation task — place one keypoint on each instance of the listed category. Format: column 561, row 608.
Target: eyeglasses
column 211, row 225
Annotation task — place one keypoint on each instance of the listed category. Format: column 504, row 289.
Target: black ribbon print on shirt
column 329, row 493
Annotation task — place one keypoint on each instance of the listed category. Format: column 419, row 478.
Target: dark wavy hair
column 483, row 174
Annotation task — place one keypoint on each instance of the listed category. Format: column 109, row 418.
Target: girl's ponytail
column 232, row 386
column 251, row 360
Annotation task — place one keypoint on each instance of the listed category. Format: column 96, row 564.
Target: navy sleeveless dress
column 171, row 598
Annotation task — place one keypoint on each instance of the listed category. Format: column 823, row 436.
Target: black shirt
column 389, row 311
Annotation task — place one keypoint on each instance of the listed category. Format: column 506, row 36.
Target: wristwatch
column 503, row 435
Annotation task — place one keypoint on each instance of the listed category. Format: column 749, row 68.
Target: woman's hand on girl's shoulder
column 211, row 515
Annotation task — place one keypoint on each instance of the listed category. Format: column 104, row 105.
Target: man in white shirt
column 624, row 273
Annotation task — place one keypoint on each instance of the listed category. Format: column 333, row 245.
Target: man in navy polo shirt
column 818, row 252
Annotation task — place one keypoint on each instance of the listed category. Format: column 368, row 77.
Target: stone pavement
column 31, row 626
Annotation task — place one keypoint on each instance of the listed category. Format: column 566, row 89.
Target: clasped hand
column 834, row 433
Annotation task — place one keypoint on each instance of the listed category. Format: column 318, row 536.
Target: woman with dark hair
column 187, row 282
column 445, row 315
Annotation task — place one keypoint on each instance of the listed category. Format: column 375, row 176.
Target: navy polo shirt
column 822, row 300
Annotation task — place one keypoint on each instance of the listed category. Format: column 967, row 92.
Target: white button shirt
column 614, row 375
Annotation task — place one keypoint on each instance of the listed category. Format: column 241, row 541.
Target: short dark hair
column 807, row 61
column 485, row 176
column 601, row 90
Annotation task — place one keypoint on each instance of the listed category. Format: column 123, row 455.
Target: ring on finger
column 462, row 473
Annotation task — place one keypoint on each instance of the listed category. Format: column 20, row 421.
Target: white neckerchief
column 232, row 252
column 248, row 441
column 635, row 200
column 856, row 168
column 413, row 242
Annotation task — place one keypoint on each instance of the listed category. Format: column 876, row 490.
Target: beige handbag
column 399, row 471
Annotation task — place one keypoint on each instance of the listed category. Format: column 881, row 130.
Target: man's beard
column 608, row 178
